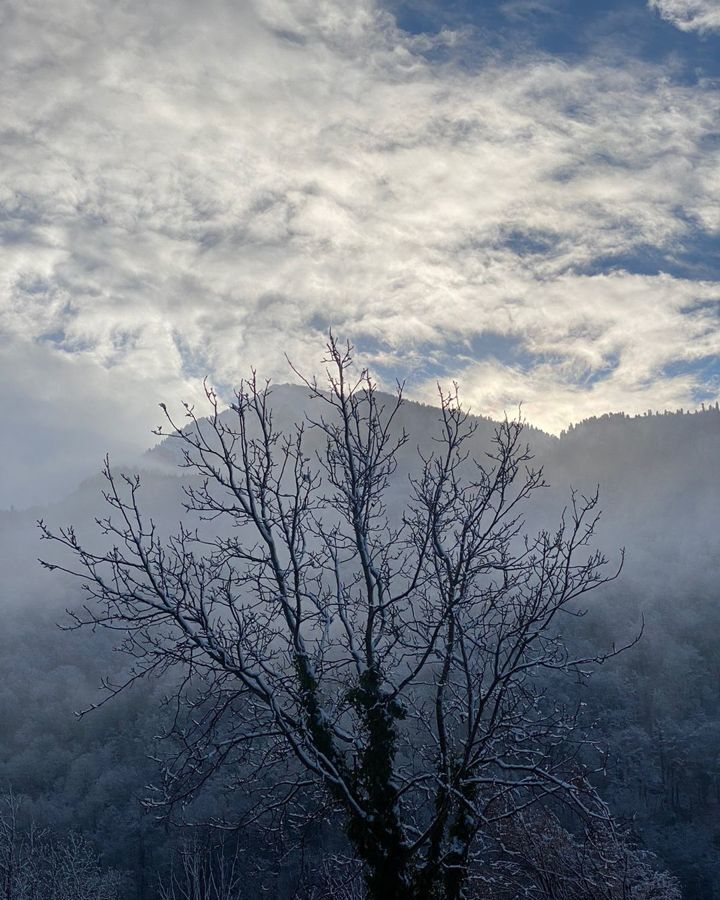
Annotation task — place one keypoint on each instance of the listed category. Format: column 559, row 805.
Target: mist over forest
column 316, row 640
column 653, row 709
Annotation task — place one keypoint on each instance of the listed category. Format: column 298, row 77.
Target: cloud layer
column 192, row 190
column 690, row 15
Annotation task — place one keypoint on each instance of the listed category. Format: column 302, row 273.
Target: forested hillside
column 655, row 708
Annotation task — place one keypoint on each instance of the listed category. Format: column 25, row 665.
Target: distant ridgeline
column 711, row 409
column 656, row 706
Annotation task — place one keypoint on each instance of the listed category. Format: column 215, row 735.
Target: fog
column 656, row 706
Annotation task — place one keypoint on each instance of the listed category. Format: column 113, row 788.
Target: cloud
column 599, row 343
column 519, row 10
column 689, row 15
column 191, row 191
column 62, row 413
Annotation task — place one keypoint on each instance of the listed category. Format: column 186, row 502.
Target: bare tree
column 11, row 855
column 331, row 877
column 386, row 659
column 542, row 860
column 38, row 865
column 204, row 871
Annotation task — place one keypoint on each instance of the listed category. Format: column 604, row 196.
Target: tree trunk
column 379, row 839
column 388, row 880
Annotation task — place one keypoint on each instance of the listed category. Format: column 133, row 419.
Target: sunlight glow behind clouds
column 189, row 190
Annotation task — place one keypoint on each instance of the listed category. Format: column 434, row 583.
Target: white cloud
column 518, row 10
column 62, row 413
column 196, row 189
column 689, row 15
column 597, row 344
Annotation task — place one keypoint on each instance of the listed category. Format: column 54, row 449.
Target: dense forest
column 653, row 709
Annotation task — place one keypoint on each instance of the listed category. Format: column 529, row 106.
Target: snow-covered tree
column 336, row 648
column 36, row 864
column 541, row 860
column 201, row 870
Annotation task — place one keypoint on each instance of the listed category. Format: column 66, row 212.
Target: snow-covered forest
column 432, row 613
column 649, row 716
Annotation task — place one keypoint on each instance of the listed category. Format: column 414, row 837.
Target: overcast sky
column 520, row 195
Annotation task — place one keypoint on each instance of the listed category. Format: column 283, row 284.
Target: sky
column 520, row 195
